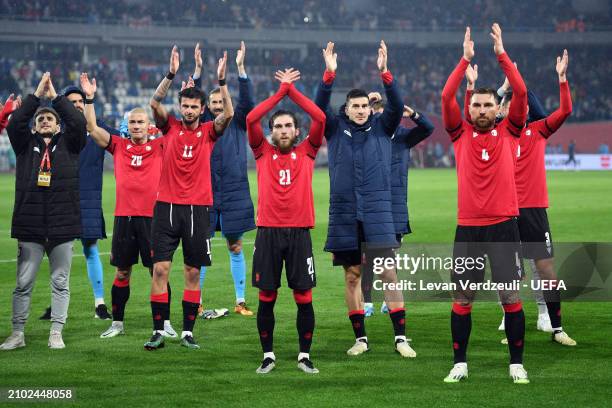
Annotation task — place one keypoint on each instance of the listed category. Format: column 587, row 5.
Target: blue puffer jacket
column 91, row 165
column 360, row 173
column 228, row 163
column 403, row 140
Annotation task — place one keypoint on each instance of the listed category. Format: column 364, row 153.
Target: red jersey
column 137, row 172
column 485, row 160
column 185, row 177
column 284, row 181
column 530, row 170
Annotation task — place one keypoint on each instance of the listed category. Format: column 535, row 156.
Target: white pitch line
column 214, row 244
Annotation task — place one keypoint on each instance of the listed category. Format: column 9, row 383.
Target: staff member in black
column 46, row 216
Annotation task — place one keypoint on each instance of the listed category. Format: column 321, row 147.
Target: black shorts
column 536, row 239
column 357, row 256
column 501, row 245
column 131, row 236
column 187, row 223
column 291, row 246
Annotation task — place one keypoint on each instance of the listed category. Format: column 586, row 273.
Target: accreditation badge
column 44, row 178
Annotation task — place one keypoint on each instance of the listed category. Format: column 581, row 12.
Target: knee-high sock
column 190, row 308
column 94, row 269
column 514, row 321
column 238, row 267
column 265, row 319
column 159, row 309
column 120, row 293
column 357, row 318
column 305, row 320
column 537, row 293
column 398, row 318
column 461, row 327
column 167, row 310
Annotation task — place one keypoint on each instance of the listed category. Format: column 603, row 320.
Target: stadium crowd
column 347, row 14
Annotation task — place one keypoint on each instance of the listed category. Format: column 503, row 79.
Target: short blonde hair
column 138, row 110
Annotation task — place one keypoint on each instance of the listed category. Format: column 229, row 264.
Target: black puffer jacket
column 47, row 213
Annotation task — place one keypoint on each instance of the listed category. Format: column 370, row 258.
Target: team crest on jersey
column 494, row 132
column 199, row 134
column 274, row 156
column 528, row 132
column 148, row 148
column 474, row 134
column 293, row 156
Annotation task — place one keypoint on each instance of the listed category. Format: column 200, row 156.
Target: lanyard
column 45, row 161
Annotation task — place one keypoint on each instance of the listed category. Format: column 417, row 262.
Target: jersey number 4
column 485, row 155
column 136, row 161
column 285, row 177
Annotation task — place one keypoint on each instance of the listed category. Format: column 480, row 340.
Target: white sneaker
column 518, row 374
column 115, row 329
column 360, row 347
column 502, row 325
column 563, row 339
column 544, row 323
column 457, row 373
column 168, row 330
column 14, row 341
column 55, row 340
column 403, row 347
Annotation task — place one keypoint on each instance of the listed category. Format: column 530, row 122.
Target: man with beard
column 285, row 215
column 184, row 196
column 46, row 216
column 487, row 203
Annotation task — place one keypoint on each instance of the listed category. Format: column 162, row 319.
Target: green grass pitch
column 118, row 372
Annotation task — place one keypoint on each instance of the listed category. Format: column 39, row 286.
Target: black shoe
column 156, row 342
column 306, row 366
column 266, row 366
column 46, row 315
column 102, row 313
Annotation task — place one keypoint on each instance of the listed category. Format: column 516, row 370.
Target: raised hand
column 408, row 111
column 561, row 67
column 174, row 60
column 496, row 35
column 88, row 87
column 381, row 62
column 471, row 74
column 189, row 84
column 468, row 45
column 51, row 94
column 197, row 55
column 330, row 57
column 289, row 75
column 41, row 89
column 240, row 55
column 222, row 66
column 11, row 104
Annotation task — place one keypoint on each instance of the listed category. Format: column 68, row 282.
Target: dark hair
column 282, row 112
column 486, row 91
column 214, row 91
column 46, row 109
column 507, row 97
column 357, row 93
column 193, row 93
